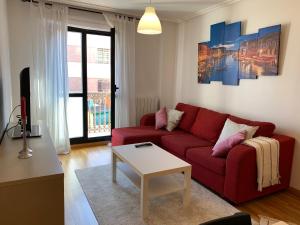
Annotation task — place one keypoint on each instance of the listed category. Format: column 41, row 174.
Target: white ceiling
column 170, row 10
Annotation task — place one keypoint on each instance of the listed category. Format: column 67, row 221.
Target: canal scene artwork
column 230, row 56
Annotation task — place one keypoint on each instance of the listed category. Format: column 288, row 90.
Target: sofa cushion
column 189, row 116
column 161, row 118
column 203, row 157
column 230, row 128
column 174, row 117
column 222, row 148
column 130, row 135
column 208, row 124
column 265, row 128
column 148, row 120
column 179, row 143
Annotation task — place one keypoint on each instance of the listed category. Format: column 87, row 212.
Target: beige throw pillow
column 174, row 117
column 231, row 128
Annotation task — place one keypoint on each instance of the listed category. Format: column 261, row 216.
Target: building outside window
column 103, row 56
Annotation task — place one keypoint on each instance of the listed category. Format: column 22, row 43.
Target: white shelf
column 158, row 186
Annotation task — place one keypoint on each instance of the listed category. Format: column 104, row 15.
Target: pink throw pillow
column 161, row 118
column 222, row 148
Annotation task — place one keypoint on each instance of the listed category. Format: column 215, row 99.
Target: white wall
column 5, row 89
column 20, row 43
column 156, row 64
column 168, row 60
column 274, row 99
column 147, row 55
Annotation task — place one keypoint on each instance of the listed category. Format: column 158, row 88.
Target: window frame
column 83, row 94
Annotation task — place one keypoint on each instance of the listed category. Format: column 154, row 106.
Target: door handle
column 116, row 88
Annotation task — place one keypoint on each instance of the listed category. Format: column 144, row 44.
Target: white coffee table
column 151, row 169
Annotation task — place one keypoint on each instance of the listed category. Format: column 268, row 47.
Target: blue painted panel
column 218, row 64
column 267, row 30
column 229, row 57
column 204, row 72
column 268, row 44
column 231, row 44
column 248, row 53
column 232, row 32
column 231, row 72
column 248, row 37
column 217, row 32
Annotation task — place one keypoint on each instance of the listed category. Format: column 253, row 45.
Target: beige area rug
column 118, row 203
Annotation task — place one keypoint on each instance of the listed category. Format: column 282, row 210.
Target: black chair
column 236, row 219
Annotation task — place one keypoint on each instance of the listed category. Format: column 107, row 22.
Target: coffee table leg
column 114, row 166
column 144, row 196
column 187, row 187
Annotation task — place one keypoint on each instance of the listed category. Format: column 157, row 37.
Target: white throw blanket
column 267, row 158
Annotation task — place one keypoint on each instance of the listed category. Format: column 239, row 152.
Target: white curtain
column 125, row 29
column 49, row 77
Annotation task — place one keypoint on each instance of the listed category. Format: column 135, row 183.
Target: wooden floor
column 284, row 205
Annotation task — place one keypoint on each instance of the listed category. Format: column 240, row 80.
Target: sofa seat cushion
column 203, row 156
column 265, row 128
column 179, row 143
column 189, row 116
column 208, row 124
column 130, row 135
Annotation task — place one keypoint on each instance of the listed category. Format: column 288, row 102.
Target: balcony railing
column 99, row 114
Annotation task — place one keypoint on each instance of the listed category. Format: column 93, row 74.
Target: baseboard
column 294, row 191
column 91, row 144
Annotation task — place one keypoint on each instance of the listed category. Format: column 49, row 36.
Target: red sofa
column 234, row 177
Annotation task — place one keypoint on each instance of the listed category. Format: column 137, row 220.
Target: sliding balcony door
column 91, row 85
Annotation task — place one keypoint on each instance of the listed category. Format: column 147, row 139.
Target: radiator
column 145, row 105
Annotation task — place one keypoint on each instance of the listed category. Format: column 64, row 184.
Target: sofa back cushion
column 265, row 128
column 189, row 116
column 208, row 124
column 222, row 148
column 161, row 118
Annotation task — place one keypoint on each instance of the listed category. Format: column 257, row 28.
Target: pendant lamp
column 149, row 23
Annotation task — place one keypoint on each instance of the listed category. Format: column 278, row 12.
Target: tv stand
column 31, row 190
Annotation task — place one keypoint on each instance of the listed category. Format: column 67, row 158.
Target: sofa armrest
column 148, row 120
column 241, row 172
column 241, row 169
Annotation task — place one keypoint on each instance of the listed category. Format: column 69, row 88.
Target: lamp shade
column 149, row 23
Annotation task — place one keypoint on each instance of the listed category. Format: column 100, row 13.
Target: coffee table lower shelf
column 153, row 170
column 158, row 186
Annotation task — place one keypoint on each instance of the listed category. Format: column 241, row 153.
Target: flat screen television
column 31, row 130
column 25, row 92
